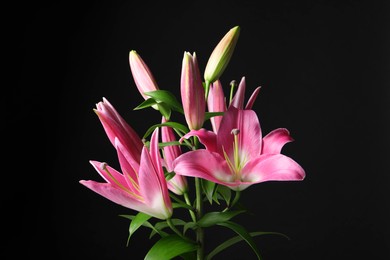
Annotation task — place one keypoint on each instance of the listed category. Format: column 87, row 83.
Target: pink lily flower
column 116, row 127
column 142, row 75
column 238, row 156
column 216, row 102
column 178, row 184
column 192, row 92
column 144, row 190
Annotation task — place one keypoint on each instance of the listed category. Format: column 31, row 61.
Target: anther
column 233, row 83
column 103, row 166
column 235, row 131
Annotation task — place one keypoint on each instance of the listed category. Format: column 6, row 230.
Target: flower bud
column 143, row 77
column 221, row 55
column 216, row 103
column 192, row 92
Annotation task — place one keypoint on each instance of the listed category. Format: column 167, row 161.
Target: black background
column 324, row 71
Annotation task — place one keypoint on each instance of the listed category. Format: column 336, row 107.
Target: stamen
column 235, row 132
column 229, row 163
column 103, row 166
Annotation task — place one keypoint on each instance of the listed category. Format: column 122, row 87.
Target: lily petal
column 178, row 184
column 121, row 197
column 252, row 98
column 239, row 97
column 149, row 179
column 115, row 177
column 274, row 141
column 203, row 164
column 276, row 167
column 248, row 124
column 129, row 168
column 206, row 137
column 116, row 127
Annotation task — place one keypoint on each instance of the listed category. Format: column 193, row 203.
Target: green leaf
column 169, row 175
column 139, row 219
column 147, row 103
column 225, row 192
column 169, row 247
column 176, row 205
column 189, row 225
column 209, row 189
column 209, row 115
column 237, row 239
column 241, row 231
column 216, row 217
column 166, row 97
column 163, row 224
column 164, row 144
column 180, row 127
column 145, row 224
column 165, row 110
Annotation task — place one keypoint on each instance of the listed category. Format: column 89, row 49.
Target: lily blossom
column 142, row 75
column 178, row 183
column 192, row 92
column 116, row 127
column 144, row 190
column 238, row 156
column 216, row 102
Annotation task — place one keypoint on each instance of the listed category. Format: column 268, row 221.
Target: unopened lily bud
column 216, row 103
column 142, row 75
column 221, row 55
column 192, row 92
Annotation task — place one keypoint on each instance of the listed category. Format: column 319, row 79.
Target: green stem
column 185, row 140
column 187, row 199
column 199, row 208
column 232, row 86
column 199, row 212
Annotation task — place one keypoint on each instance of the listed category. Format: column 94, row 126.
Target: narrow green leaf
column 146, row 224
column 167, row 98
column 177, row 126
column 225, row 192
column 147, row 103
column 216, row 217
column 237, row 239
column 209, row 189
column 169, row 247
column 139, row 219
column 163, row 224
column 164, row 144
column 176, row 205
column 165, row 110
column 241, row 231
column 209, row 115
column 189, row 225
column 168, row 175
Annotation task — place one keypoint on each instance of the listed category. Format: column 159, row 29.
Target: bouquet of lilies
column 177, row 165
